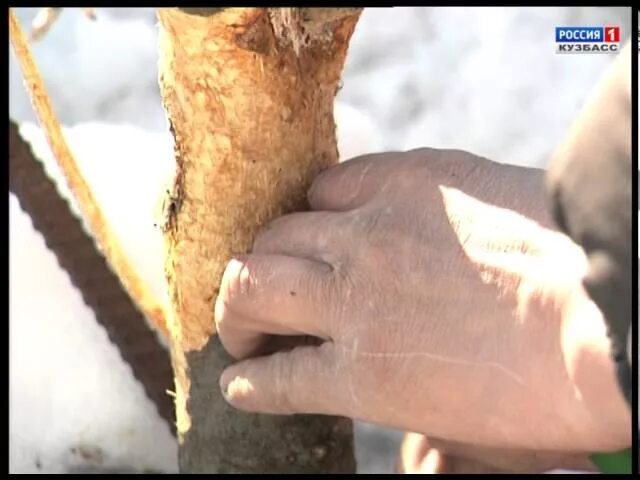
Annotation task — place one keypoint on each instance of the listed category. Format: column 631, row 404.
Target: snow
column 482, row 79
column 71, row 395
column 127, row 168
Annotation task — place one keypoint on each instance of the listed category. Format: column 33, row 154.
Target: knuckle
column 315, row 283
column 242, row 279
column 348, row 176
column 373, row 224
column 374, row 229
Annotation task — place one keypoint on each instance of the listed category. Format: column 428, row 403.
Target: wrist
column 587, row 354
column 586, row 351
column 551, row 290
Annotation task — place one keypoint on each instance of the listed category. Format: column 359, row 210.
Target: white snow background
column 485, row 80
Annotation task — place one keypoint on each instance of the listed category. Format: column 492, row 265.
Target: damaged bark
column 249, row 96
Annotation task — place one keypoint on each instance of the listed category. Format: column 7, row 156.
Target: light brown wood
column 249, row 96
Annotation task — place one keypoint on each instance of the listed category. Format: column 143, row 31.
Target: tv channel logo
column 588, row 39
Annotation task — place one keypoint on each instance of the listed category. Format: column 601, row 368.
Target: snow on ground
column 73, row 401
column 481, row 79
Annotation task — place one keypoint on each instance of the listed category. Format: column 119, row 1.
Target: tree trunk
column 249, row 97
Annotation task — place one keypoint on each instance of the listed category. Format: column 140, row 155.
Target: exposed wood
column 249, row 95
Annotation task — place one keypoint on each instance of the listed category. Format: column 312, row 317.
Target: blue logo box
column 579, row 34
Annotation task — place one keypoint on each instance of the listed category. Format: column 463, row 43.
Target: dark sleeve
column 590, row 192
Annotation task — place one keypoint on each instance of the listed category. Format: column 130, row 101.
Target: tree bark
column 249, row 96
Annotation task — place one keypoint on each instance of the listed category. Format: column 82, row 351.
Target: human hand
column 418, row 454
column 444, row 302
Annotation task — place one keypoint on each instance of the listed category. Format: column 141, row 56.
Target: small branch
column 43, row 21
column 105, row 238
column 47, row 17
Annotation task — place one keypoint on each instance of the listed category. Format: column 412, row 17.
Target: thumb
column 301, row 380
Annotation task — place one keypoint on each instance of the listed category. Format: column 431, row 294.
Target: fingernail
column 235, row 264
column 235, row 388
column 225, row 380
column 240, row 257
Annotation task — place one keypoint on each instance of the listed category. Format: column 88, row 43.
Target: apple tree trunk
column 249, row 95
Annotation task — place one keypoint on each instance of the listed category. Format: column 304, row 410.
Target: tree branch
column 106, row 239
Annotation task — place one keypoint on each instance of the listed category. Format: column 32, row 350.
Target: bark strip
column 249, row 96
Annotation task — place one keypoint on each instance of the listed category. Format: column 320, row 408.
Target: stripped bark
column 249, row 95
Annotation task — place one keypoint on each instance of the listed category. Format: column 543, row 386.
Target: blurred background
column 486, row 80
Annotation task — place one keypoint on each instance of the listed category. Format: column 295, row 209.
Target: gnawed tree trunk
column 249, row 95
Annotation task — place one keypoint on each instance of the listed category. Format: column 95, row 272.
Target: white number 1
column 612, row 34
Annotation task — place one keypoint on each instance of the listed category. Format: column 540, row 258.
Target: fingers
column 271, row 294
column 303, row 380
column 309, row 235
column 241, row 337
column 350, row 184
column 413, row 450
